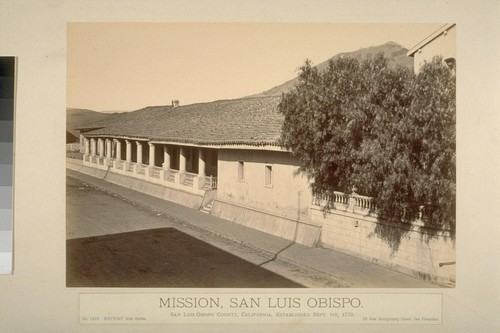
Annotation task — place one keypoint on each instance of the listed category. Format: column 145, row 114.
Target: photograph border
column 35, row 33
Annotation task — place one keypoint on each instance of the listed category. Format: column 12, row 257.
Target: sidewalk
column 347, row 270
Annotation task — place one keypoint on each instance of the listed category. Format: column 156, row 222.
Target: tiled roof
column 244, row 121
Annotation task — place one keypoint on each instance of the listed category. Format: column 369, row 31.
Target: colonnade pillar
column 118, row 156
column 87, row 146
column 128, row 152
column 139, row 152
column 151, row 155
column 118, row 147
column 100, row 147
column 86, row 150
column 201, row 168
column 151, row 158
column 179, row 177
column 82, row 143
column 201, row 162
column 108, row 151
column 108, row 148
column 93, row 150
column 166, row 163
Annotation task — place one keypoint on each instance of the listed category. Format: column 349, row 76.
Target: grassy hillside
column 76, row 118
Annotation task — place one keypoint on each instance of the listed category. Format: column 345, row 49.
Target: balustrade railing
column 364, row 202
column 335, row 199
column 135, row 169
column 210, row 183
column 155, row 172
column 360, row 204
column 141, row 168
column 340, row 197
column 118, row 164
column 170, row 175
column 189, row 178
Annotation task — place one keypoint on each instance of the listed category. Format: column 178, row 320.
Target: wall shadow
column 161, row 258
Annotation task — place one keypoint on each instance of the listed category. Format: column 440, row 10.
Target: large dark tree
column 433, row 139
column 386, row 132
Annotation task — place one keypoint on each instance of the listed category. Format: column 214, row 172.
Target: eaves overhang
column 430, row 38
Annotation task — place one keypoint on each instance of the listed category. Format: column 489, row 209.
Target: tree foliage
column 385, row 131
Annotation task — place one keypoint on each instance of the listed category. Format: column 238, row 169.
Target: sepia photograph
column 261, row 155
column 241, row 166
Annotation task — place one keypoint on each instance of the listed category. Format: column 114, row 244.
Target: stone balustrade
column 165, row 176
column 352, row 202
column 210, row 183
column 350, row 222
column 123, row 157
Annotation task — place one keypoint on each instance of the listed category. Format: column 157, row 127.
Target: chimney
column 175, row 103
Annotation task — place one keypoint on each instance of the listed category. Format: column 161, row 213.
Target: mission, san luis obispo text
column 260, row 302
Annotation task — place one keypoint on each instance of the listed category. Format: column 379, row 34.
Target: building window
column 269, row 175
column 241, row 170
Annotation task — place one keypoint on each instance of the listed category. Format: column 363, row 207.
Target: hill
column 76, row 118
column 395, row 53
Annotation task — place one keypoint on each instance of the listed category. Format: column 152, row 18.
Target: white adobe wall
column 289, row 196
column 281, row 209
column 417, row 255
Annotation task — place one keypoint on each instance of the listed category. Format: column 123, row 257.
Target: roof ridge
column 247, row 120
column 211, row 102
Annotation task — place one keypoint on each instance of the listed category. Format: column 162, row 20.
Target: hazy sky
column 127, row 66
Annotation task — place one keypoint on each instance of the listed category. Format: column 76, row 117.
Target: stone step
column 207, row 208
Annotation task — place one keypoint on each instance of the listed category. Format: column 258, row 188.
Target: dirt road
column 113, row 243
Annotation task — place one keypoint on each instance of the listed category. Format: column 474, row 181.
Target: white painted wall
column 417, row 254
column 288, row 196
